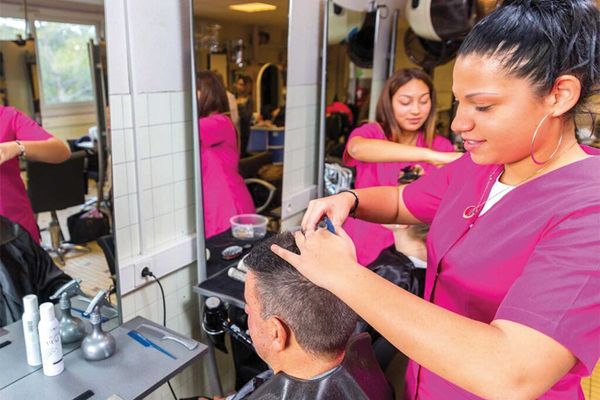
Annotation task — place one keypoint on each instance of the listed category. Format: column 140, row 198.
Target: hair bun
column 540, row 40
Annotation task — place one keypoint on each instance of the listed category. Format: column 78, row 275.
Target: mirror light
column 252, row 7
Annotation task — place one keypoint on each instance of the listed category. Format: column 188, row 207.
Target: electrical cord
column 145, row 273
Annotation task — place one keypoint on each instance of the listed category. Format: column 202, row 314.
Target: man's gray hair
column 321, row 323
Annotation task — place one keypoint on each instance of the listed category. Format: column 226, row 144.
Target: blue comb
column 144, row 341
column 329, row 225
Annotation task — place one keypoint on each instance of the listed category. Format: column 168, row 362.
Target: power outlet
column 139, row 266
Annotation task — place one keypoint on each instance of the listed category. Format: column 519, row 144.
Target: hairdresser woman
column 20, row 136
column 402, row 135
column 223, row 189
column 512, row 298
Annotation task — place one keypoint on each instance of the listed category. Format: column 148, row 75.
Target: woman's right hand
column 8, row 151
column 336, row 208
column 440, row 158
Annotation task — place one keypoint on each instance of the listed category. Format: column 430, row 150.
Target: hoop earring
column 533, row 142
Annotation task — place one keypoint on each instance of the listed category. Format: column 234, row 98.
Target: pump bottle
column 50, row 343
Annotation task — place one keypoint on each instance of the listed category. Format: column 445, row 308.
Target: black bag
column 86, row 226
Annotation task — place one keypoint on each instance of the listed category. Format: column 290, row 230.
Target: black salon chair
column 262, row 192
column 107, row 244
column 53, row 187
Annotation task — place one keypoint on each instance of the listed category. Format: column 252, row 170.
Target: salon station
column 229, row 199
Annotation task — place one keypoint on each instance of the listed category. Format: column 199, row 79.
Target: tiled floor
column 90, row 267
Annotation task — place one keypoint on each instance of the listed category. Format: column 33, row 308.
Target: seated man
column 303, row 333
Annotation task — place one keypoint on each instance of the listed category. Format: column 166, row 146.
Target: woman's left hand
column 323, row 255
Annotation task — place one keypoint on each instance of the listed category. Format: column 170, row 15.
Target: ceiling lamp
column 252, row 7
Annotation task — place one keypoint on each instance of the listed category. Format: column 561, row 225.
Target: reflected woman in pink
column 22, row 137
column 223, row 189
column 403, row 135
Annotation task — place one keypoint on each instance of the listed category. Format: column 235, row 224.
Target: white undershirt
column 418, row 262
column 494, row 196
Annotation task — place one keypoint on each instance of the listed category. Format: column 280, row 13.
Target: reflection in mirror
column 350, row 48
column 397, row 142
column 240, row 62
column 53, row 98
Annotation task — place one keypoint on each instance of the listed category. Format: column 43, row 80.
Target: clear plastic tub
column 248, row 226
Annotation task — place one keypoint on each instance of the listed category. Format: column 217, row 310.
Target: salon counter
column 17, row 368
column 222, row 286
column 217, row 282
column 132, row 372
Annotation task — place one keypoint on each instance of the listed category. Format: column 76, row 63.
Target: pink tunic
column 224, row 192
column 533, row 258
column 14, row 203
column 370, row 239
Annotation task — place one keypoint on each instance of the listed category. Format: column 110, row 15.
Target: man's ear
column 564, row 94
column 280, row 334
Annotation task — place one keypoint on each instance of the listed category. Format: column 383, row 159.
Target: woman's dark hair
column 384, row 113
column 212, row 97
column 540, row 40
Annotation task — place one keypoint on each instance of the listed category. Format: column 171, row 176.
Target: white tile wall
column 162, row 170
column 116, row 111
column 159, row 108
column 180, row 131
column 129, row 144
column 305, row 36
column 300, row 139
column 302, row 112
column 162, row 199
column 118, row 146
column 141, row 109
column 160, row 45
column 116, row 32
column 119, row 180
column 160, row 139
column 157, row 151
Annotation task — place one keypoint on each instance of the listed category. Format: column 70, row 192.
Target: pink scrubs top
column 533, row 259
column 369, row 238
column 223, row 189
column 14, row 203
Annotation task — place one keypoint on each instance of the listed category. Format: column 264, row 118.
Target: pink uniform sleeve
column 27, row 129
column 441, row 143
column 214, row 130
column 367, row 131
column 423, row 196
column 558, row 293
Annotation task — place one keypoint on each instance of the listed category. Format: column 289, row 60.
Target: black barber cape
column 25, row 268
column 358, row 377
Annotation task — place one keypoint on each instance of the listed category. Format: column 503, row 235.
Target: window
column 11, row 27
column 64, row 64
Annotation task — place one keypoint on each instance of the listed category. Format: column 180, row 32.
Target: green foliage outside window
column 64, row 63
column 11, row 27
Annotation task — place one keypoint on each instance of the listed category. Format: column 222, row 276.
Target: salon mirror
column 53, row 69
column 349, row 58
column 240, row 57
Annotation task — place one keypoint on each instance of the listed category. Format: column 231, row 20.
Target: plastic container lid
column 30, row 304
column 47, row 312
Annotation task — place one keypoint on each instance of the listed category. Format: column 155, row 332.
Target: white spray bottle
column 31, row 318
column 50, row 343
